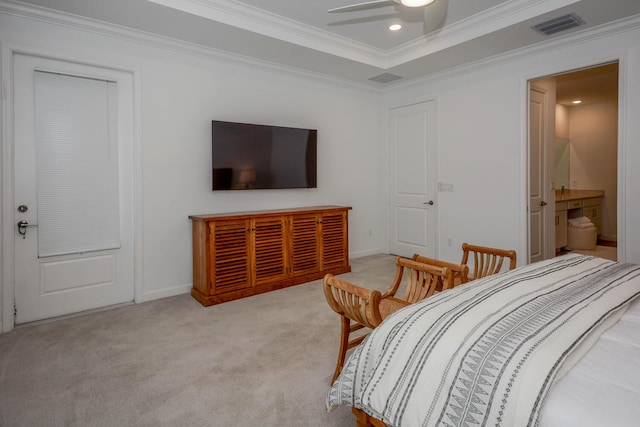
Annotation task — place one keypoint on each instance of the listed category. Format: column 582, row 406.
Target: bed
column 554, row 343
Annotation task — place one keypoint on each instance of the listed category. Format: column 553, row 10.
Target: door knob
column 22, row 227
column 543, row 203
column 430, row 202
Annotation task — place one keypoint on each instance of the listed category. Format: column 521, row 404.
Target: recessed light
column 416, row 3
column 576, row 101
column 395, row 27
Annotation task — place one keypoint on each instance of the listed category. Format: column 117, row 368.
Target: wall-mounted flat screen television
column 253, row 156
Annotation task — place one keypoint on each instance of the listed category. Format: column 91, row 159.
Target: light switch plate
column 445, row 186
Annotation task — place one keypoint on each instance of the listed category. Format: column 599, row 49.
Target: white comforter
column 486, row 353
column 603, row 388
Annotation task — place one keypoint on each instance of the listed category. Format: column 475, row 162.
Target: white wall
column 178, row 95
column 482, row 122
column 479, row 153
column 481, row 114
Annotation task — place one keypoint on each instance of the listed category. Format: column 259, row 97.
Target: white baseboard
column 164, row 293
column 361, row 254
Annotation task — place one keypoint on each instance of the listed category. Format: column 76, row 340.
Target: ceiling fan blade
column 362, row 6
column 435, row 14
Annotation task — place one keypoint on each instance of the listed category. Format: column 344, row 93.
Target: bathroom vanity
column 574, row 204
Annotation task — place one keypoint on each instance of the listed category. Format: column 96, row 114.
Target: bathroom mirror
column 562, row 163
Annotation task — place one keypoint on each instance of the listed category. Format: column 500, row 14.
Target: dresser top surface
column 301, row 210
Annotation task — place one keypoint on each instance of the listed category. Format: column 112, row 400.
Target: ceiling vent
column 385, row 78
column 559, row 24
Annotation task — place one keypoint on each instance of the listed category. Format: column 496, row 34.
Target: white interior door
column 412, row 173
column 536, row 157
column 541, row 194
column 73, row 150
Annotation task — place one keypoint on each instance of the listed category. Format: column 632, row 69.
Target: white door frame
column 8, row 230
column 622, row 145
column 547, row 194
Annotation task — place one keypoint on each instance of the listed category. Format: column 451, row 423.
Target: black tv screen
column 252, row 156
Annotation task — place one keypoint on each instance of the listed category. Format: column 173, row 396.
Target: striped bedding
column 486, row 353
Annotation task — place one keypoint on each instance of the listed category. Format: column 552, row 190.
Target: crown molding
column 259, row 21
column 127, row 34
column 486, row 22
column 592, row 34
column 164, row 42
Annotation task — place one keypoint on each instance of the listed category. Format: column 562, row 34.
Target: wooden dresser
column 240, row 254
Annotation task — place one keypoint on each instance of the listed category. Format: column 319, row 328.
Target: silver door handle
column 22, row 227
column 430, row 202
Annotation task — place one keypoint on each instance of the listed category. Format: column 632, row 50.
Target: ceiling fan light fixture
column 416, row 3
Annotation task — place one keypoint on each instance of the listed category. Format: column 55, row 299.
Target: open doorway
column 576, row 164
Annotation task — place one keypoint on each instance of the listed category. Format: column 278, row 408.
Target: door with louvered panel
column 270, row 250
column 305, row 244
column 230, row 246
column 333, row 228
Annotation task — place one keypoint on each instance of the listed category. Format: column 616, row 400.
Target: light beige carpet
column 265, row 360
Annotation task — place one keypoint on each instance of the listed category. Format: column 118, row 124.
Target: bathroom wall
column 593, row 132
column 562, row 121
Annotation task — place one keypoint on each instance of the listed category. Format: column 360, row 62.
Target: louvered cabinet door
column 229, row 243
column 269, row 250
column 242, row 254
column 333, row 229
column 305, row 244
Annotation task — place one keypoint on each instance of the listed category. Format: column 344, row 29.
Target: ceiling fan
column 434, row 10
column 380, row 3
